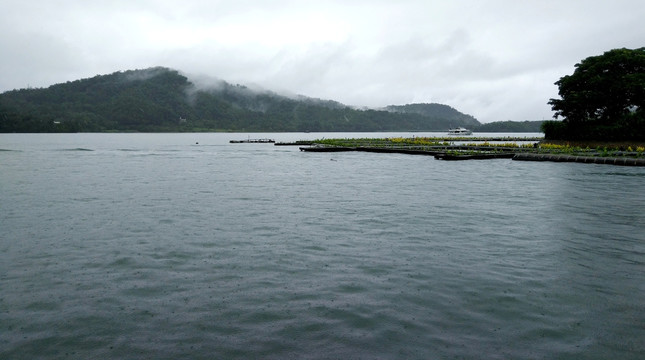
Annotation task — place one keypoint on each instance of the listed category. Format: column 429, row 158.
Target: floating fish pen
column 481, row 156
column 261, row 141
column 441, row 152
column 384, row 150
column 485, row 150
column 295, row 143
column 625, row 161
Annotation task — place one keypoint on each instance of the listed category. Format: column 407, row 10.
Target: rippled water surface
column 168, row 246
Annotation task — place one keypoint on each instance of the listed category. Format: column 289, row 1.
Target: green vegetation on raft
column 486, row 147
column 600, row 151
column 381, row 142
column 418, row 141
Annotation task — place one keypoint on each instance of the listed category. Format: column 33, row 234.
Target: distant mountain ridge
column 534, row 126
column 161, row 99
column 436, row 110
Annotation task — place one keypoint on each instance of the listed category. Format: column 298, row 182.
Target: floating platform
column 295, row 143
column 328, row 149
column 261, row 141
column 440, row 151
column 453, row 157
column 452, row 152
column 625, row 161
column 370, row 149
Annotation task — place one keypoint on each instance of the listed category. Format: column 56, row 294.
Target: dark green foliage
column 510, row 126
column 604, row 99
column 160, row 99
column 132, row 100
column 445, row 112
column 554, row 130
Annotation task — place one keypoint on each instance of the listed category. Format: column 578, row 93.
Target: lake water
column 183, row 246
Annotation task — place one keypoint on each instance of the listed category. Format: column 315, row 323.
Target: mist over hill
column 161, row 99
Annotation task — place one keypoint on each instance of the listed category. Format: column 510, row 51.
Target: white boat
column 459, row 131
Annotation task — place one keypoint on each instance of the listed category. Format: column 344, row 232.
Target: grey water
column 183, row 246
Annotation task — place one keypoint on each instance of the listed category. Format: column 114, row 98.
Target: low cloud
column 494, row 60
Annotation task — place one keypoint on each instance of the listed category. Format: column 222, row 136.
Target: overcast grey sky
column 496, row 60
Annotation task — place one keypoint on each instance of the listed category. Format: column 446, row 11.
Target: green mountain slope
column 510, row 126
column 161, row 99
column 441, row 111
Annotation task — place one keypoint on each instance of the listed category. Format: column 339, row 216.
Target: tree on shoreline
column 604, row 99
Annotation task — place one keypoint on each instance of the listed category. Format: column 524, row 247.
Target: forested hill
column 161, row 99
column 511, row 126
column 436, row 110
